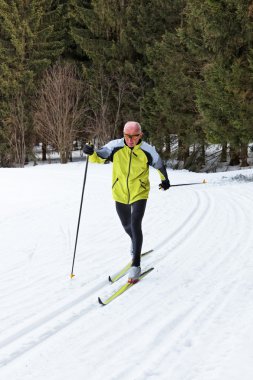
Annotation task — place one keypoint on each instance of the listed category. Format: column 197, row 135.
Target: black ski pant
column 131, row 218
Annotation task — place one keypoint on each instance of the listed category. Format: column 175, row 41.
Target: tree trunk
column 44, row 151
column 224, row 153
column 167, row 146
column 203, row 154
column 244, row 155
column 64, row 157
column 183, row 151
column 234, row 156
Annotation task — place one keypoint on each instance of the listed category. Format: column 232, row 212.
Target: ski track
column 197, row 318
column 48, row 318
column 30, row 328
column 209, row 289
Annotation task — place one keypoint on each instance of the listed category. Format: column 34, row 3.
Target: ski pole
column 79, row 218
column 187, row 184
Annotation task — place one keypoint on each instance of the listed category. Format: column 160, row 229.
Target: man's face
column 132, row 135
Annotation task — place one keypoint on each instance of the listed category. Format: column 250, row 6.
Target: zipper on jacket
column 128, row 175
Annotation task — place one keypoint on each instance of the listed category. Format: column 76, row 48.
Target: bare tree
column 122, row 88
column 14, row 130
column 99, row 119
column 106, row 95
column 59, row 109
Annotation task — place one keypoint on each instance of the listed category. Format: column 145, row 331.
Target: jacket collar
column 136, row 147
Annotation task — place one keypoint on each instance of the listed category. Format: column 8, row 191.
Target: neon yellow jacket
column 130, row 178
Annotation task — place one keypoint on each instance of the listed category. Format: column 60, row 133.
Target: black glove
column 165, row 185
column 88, row 149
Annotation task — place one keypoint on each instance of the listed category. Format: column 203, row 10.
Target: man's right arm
column 105, row 153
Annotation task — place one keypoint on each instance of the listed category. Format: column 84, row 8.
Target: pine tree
column 169, row 106
column 221, row 34
column 29, row 42
column 115, row 36
column 173, row 71
column 99, row 30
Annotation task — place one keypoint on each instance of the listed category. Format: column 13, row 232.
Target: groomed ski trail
column 190, row 315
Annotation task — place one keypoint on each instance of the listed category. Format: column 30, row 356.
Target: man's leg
column 138, row 210
column 124, row 213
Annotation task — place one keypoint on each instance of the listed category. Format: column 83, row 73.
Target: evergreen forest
column 77, row 70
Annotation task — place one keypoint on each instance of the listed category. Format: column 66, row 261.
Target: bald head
column 132, row 133
column 132, row 128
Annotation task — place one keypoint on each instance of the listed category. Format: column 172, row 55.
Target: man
column 131, row 159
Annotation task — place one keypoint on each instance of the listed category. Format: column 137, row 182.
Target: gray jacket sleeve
column 155, row 160
column 106, row 151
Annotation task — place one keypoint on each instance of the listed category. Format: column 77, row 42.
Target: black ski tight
column 131, row 219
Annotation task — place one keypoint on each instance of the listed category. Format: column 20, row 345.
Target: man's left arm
column 158, row 164
column 155, row 160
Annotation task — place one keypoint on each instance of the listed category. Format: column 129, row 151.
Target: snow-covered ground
column 190, row 319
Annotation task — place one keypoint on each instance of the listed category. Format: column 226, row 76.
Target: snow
column 189, row 319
